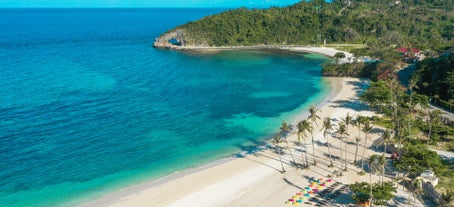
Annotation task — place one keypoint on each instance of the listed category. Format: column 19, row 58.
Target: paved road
column 446, row 155
column 444, row 113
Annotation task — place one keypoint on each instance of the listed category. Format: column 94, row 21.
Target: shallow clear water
column 87, row 106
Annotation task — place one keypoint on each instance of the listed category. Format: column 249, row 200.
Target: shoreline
column 225, row 168
column 327, row 51
column 117, row 198
column 110, row 198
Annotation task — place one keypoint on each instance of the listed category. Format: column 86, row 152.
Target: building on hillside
column 429, row 177
column 410, row 55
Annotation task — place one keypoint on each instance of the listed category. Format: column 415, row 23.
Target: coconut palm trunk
column 301, row 148
column 305, row 153
column 329, row 153
column 313, row 117
column 341, row 153
column 327, row 126
column 411, row 85
column 347, row 120
column 303, row 126
column 359, row 120
column 277, row 140
column 386, row 136
column 357, row 139
column 372, row 162
column 370, row 193
column 345, row 152
column 434, row 117
column 382, row 162
column 366, row 129
column 341, row 131
column 285, row 129
column 290, row 151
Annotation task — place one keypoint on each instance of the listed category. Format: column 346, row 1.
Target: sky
column 146, row 3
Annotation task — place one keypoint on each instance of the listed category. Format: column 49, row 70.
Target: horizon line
column 142, row 7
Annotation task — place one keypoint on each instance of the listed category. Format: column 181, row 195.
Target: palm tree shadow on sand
column 258, row 150
column 292, row 184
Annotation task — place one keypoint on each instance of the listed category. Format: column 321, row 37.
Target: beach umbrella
column 307, row 188
column 291, row 200
column 299, row 194
column 307, row 195
column 299, row 201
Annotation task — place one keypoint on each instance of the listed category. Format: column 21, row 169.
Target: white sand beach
column 328, row 51
column 254, row 179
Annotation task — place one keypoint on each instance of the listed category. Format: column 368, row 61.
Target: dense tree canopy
column 417, row 158
column 378, row 95
column 435, row 77
column 412, row 23
column 380, row 193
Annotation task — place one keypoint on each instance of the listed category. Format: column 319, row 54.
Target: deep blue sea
column 87, row 106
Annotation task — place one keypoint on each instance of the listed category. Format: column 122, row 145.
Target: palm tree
column 434, row 117
column 326, row 127
column 359, row 120
column 366, row 129
column 285, row 130
column 357, row 140
column 277, row 139
column 375, row 163
column 341, row 131
column 373, row 160
column 386, row 136
column 313, row 117
column 347, row 120
column 381, row 162
column 411, row 85
column 303, row 126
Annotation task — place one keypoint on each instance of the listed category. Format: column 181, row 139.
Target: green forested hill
column 435, row 77
column 425, row 24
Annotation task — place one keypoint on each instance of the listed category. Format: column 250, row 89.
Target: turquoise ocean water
column 87, row 106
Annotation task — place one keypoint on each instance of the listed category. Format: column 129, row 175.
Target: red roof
column 404, row 50
column 414, row 50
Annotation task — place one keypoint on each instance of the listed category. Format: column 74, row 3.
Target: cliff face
column 170, row 40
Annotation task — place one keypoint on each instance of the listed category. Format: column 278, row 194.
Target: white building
column 428, row 176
